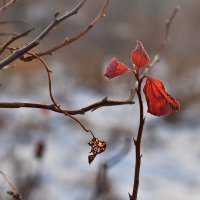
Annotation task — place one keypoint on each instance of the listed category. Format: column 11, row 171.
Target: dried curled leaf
column 115, row 68
column 97, row 147
column 139, row 56
column 159, row 102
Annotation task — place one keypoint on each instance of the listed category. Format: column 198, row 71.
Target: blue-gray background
column 171, row 145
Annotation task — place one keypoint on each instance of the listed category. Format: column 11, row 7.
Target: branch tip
column 178, row 7
column 56, row 15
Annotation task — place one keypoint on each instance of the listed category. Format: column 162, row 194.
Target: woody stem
column 137, row 143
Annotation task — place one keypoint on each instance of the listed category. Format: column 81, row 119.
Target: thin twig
column 68, row 41
column 4, row 8
column 56, row 20
column 14, row 38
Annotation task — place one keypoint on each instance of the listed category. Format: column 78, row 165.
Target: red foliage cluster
column 159, row 102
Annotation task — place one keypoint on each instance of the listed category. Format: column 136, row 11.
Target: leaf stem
column 137, row 143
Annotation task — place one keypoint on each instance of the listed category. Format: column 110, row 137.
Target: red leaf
column 139, row 56
column 115, row 68
column 159, row 102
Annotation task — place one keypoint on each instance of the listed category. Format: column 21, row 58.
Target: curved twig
column 58, row 107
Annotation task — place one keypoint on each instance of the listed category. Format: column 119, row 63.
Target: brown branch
column 137, row 143
column 57, row 20
column 66, row 42
column 4, row 8
column 14, row 38
column 102, row 103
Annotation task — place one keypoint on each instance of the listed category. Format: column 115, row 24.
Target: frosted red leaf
column 115, row 68
column 139, row 56
column 159, row 102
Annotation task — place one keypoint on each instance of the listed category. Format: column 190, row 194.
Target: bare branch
column 103, row 103
column 4, row 8
column 66, row 42
column 21, row 51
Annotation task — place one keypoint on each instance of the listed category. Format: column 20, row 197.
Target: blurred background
column 45, row 154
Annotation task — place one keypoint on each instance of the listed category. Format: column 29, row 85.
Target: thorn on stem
column 105, row 99
column 135, row 141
